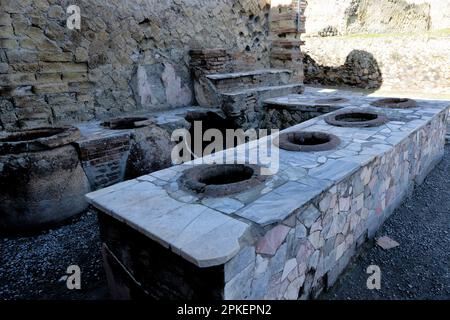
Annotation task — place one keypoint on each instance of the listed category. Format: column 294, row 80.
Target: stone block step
column 230, row 82
column 277, row 90
column 246, row 105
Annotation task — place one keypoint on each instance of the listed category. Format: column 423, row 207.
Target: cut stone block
column 387, row 243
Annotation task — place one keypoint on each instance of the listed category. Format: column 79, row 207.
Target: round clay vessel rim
column 189, row 181
column 285, row 142
column 335, row 100
column 379, row 120
column 63, row 135
column 127, row 122
column 395, row 103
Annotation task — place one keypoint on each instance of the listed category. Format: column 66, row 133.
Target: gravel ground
column 35, row 267
column 420, row 267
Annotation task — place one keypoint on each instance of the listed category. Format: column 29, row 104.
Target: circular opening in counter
column 221, row 179
column 30, row 135
column 125, row 123
column 308, row 141
column 395, row 103
column 37, row 139
column 335, row 100
column 356, row 119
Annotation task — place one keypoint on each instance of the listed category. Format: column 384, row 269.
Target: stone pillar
column 287, row 23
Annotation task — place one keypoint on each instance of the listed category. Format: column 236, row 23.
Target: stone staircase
column 239, row 94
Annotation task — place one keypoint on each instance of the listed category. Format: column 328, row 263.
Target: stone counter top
column 210, row 231
column 168, row 119
column 196, row 232
column 222, row 76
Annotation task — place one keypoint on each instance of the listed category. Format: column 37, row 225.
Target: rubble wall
column 376, row 16
column 407, row 63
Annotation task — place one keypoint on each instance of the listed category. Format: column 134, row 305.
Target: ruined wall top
column 380, row 16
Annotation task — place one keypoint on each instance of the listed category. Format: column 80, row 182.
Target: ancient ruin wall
column 129, row 54
column 376, row 16
column 392, row 62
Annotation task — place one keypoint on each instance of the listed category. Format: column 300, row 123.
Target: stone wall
column 376, row 16
column 129, row 54
column 232, row 82
column 392, row 62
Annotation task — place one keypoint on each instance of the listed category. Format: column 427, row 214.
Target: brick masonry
column 104, row 159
